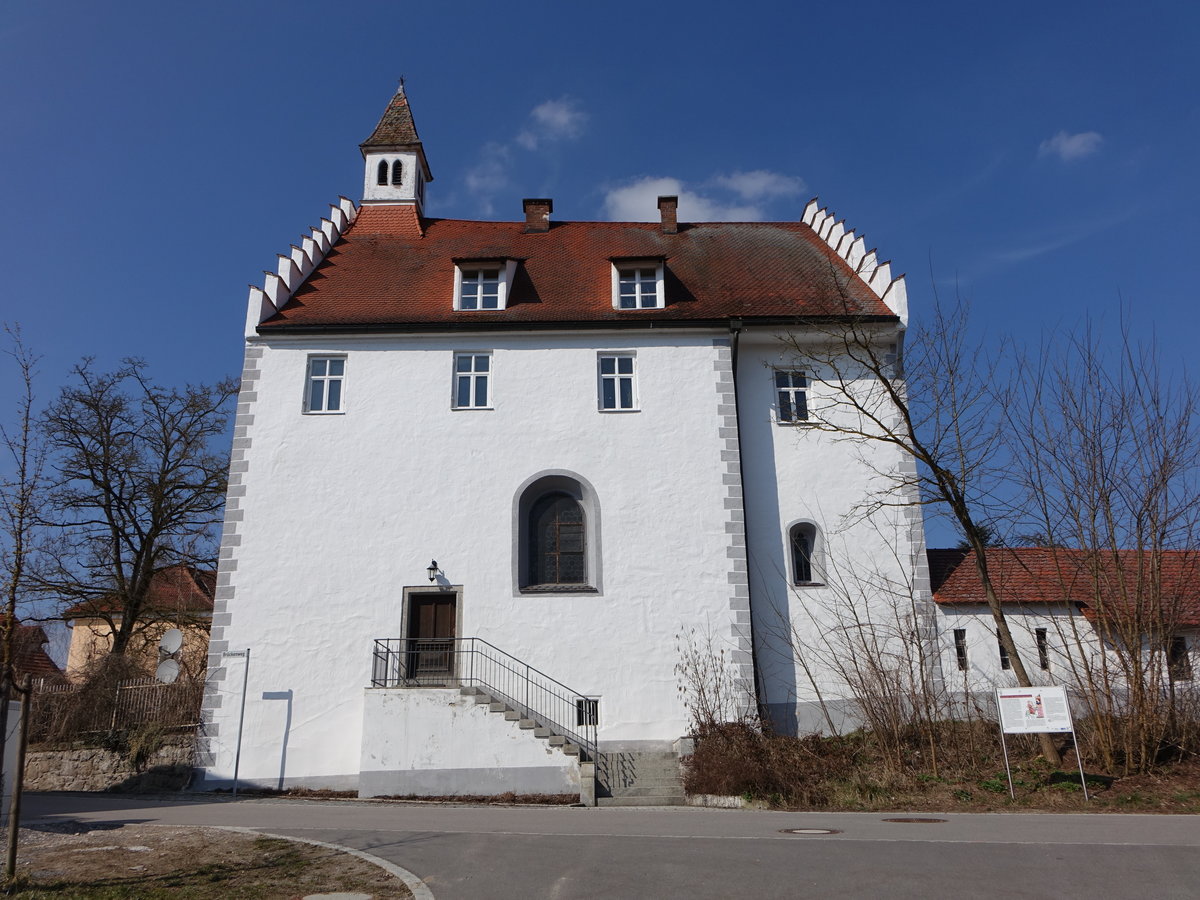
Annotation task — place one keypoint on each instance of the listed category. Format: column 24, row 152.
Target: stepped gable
column 381, row 273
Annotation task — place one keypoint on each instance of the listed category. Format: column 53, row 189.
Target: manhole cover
column 809, row 831
column 917, row 820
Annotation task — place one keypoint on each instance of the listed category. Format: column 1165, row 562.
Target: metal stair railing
column 475, row 663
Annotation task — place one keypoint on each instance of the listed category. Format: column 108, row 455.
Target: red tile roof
column 1109, row 583
column 30, row 656
column 382, row 273
column 174, row 589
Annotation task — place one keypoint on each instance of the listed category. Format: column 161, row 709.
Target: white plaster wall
column 340, row 512
column 456, row 745
column 406, row 191
column 867, row 561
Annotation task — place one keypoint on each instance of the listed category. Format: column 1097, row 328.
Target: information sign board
column 1029, row 710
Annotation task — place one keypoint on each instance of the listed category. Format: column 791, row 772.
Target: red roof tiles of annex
column 177, row 589
column 382, row 273
column 1112, row 580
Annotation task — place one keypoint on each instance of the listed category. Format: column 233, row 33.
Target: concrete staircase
column 510, row 714
column 639, row 778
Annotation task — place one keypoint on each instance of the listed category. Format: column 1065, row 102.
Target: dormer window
column 482, row 284
column 638, row 284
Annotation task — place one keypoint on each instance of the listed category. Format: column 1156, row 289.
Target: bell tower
column 395, row 170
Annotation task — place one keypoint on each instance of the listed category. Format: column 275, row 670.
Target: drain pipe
column 735, row 333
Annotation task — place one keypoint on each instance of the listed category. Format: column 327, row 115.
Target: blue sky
column 1038, row 158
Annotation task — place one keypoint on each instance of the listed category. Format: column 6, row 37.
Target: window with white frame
column 960, row 648
column 1043, row 648
column 638, row 284
column 482, row 284
column 1005, row 662
column 791, row 392
column 323, row 387
column 1179, row 659
column 618, row 386
column 472, row 377
column 802, row 538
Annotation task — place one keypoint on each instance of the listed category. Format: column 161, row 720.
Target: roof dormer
column 638, row 283
column 395, row 168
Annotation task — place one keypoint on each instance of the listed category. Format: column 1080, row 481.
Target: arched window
column 802, row 541
column 556, row 541
column 381, row 178
column 397, row 173
column 556, row 531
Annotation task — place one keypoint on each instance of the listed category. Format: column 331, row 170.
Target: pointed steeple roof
column 396, row 127
column 397, row 131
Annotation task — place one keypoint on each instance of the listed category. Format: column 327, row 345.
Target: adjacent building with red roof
column 181, row 596
column 512, row 457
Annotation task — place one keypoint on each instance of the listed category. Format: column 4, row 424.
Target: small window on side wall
column 791, row 394
column 323, row 385
column 381, row 176
column 618, row 382
column 960, row 648
column 1005, row 661
column 802, row 539
column 397, row 173
column 1179, row 659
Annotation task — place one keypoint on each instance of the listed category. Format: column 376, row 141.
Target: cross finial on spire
column 400, row 90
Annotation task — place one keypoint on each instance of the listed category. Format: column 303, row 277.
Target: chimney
column 669, row 207
column 537, row 214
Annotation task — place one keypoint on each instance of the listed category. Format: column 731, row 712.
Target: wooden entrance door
column 431, row 625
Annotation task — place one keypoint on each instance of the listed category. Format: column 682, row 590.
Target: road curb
column 419, row 889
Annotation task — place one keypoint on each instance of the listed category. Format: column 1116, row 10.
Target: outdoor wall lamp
column 433, row 570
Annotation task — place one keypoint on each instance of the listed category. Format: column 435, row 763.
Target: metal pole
column 1079, row 759
column 1007, row 767
column 237, row 758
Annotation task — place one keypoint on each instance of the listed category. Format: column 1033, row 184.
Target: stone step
column 511, row 715
column 570, row 749
column 469, row 691
column 542, row 732
column 556, row 740
column 526, row 724
column 498, row 706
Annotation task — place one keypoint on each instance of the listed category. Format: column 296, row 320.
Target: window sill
column 559, row 589
column 795, row 423
column 808, row 584
column 619, row 410
column 323, row 412
column 470, row 408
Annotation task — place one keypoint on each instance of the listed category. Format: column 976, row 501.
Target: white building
column 596, row 432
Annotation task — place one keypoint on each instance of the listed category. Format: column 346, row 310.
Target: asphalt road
column 490, row 852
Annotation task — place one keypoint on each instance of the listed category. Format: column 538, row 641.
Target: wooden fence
column 70, row 712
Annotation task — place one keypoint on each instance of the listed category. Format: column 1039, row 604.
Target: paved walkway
column 486, row 852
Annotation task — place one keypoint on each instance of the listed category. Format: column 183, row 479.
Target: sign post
column 1034, row 710
column 237, row 758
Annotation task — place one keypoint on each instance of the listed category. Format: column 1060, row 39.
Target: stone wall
column 98, row 769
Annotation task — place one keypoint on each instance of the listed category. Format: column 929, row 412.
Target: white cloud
column 554, row 120
column 761, row 184
column 637, row 201
column 1070, row 147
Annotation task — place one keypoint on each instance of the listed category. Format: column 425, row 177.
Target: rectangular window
column 791, row 389
column 638, row 288
column 471, row 374
column 1179, row 659
column 480, row 289
column 617, row 387
column 960, row 648
column 1043, row 647
column 323, row 391
column 1005, row 662
column 587, row 711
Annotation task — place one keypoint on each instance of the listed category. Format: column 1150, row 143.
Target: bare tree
column 20, row 494
column 931, row 395
column 138, row 487
column 1112, row 472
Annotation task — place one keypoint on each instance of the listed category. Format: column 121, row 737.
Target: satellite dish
column 171, row 641
column 167, row 671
